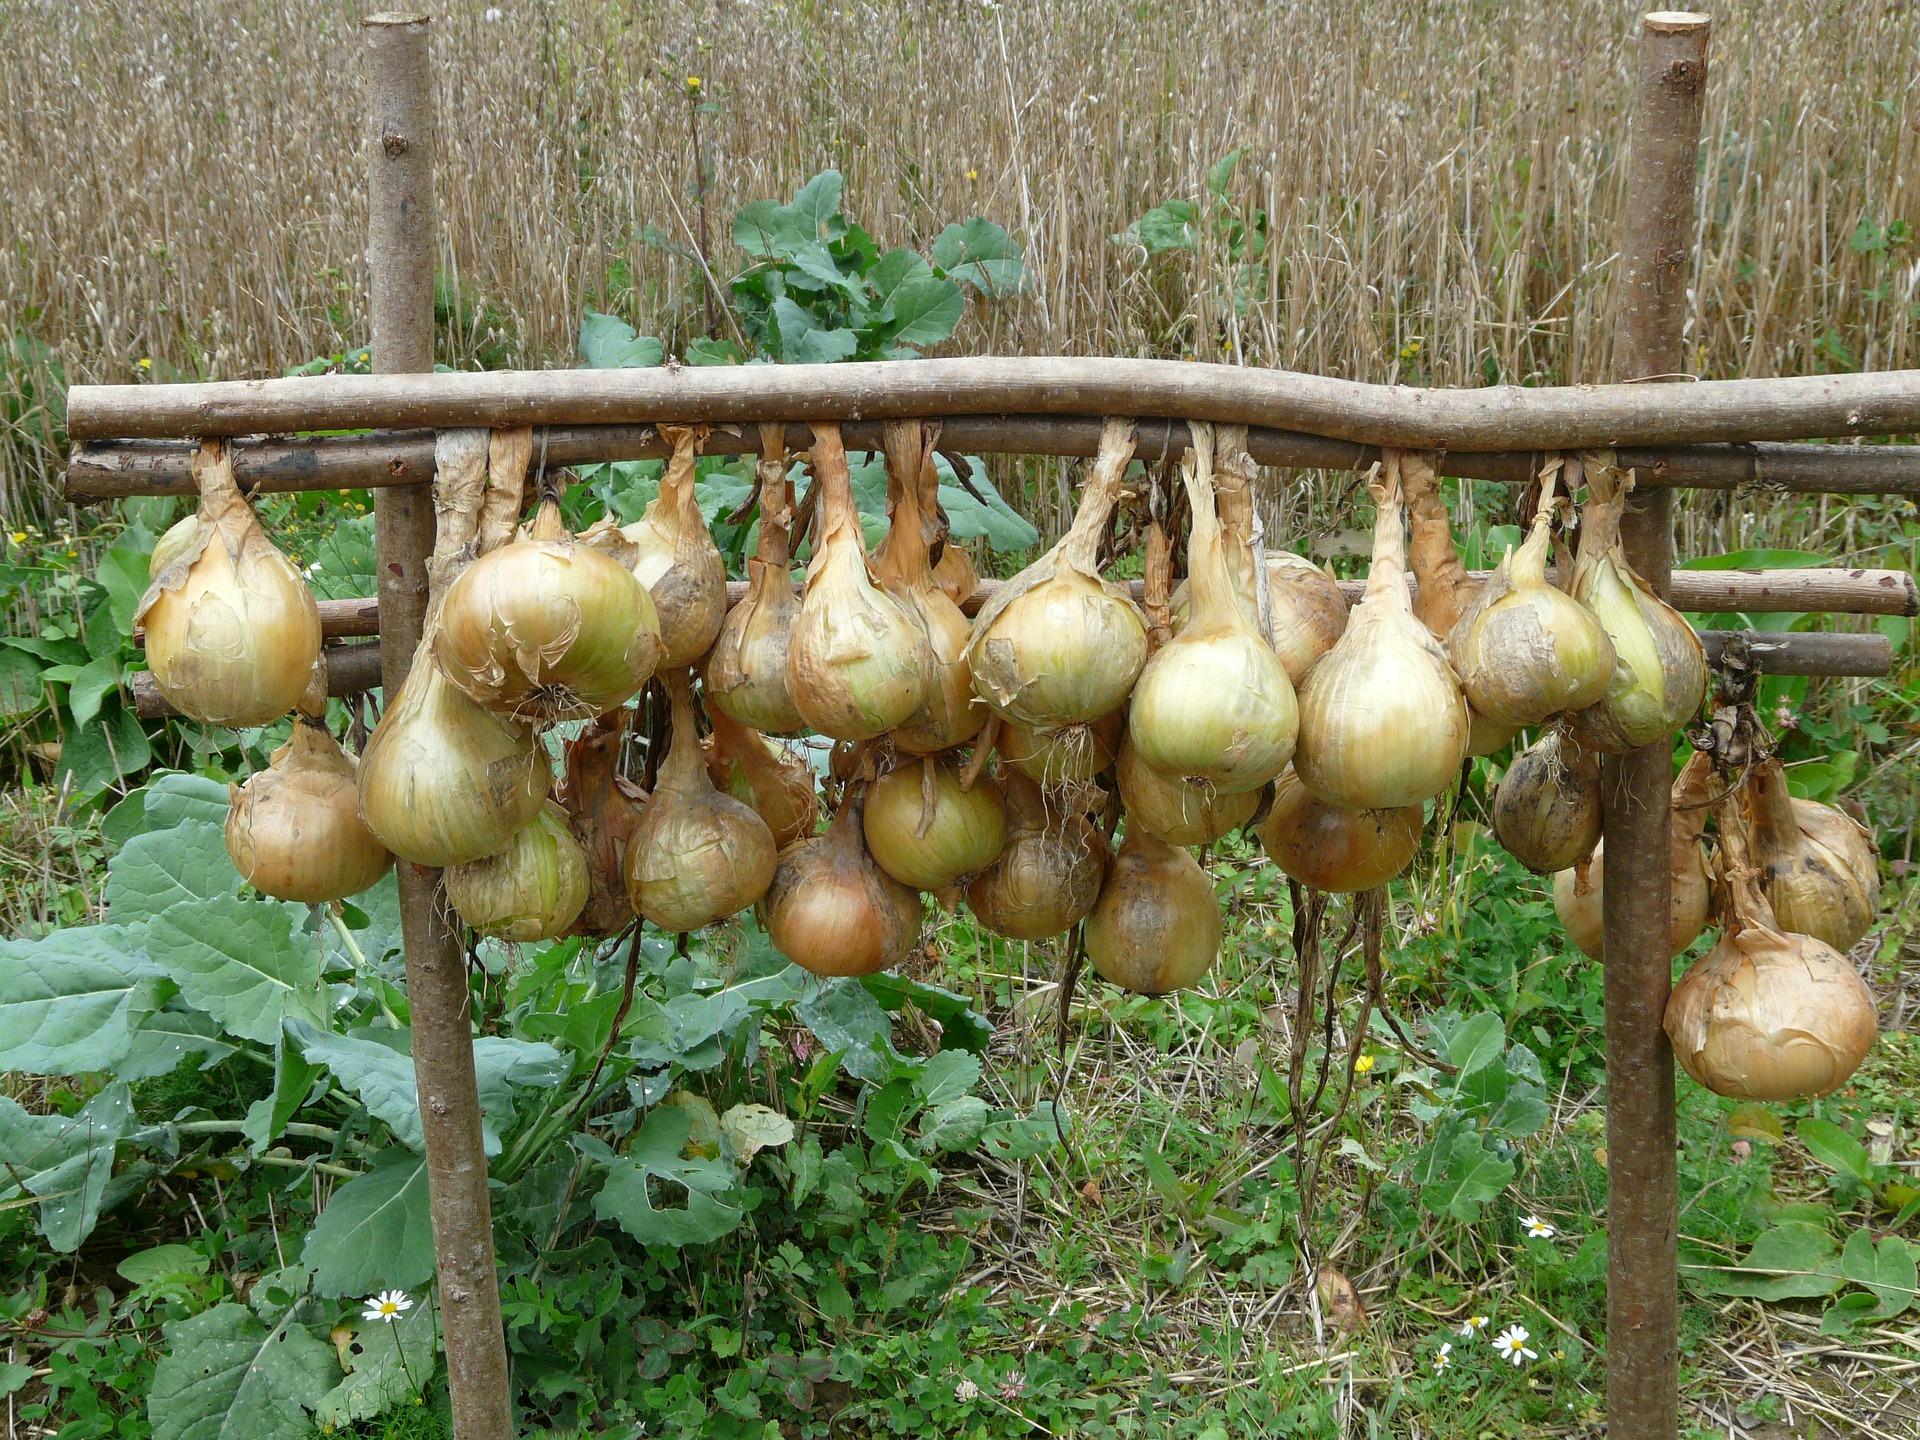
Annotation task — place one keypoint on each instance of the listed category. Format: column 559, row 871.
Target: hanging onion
column 1767, row 1014
column 1546, row 809
column 955, row 574
column 603, row 808
column 926, row 829
column 180, row 540
column 1180, row 812
column 232, row 632
column 749, row 767
column 1817, row 866
column 1157, row 926
column 832, row 911
column 671, row 552
column 1049, row 872
column 532, row 890
column 1383, row 723
column 1577, row 892
column 746, row 673
column 1340, row 851
column 857, row 661
column 1070, row 756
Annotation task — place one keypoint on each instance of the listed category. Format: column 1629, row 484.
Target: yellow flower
column 146, row 362
column 19, row 537
column 972, row 175
column 1363, row 1065
column 693, row 82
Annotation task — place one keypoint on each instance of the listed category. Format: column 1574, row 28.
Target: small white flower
column 1443, row 1357
column 966, row 1391
column 1473, row 1325
column 1512, row 1345
column 1537, row 1229
column 387, row 1306
column 493, row 13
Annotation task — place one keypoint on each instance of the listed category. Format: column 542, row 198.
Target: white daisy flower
column 387, row 1307
column 1473, row 1325
column 1537, row 1229
column 1512, row 1345
column 1443, row 1357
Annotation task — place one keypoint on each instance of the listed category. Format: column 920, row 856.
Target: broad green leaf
column 947, row 1075
column 1756, row 560
column 1887, row 1270
column 111, row 750
column 143, row 1267
column 1794, row 1260
column 1220, row 174
column 1021, row 1137
column 228, row 1376
column 817, row 205
column 155, row 870
column 655, row 1155
column 21, row 691
column 169, row 1036
column 174, row 797
column 97, row 680
column 71, row 1002
column 925, row 311
column 1457, row 1174
column 979, row 253
column 954, row 1124
column 343, row 564
column 707, row 351
column 1755, row 1122
column 293, row 1076
column 1834, row 1148
column 817, row 269
column 64, row 1160
column 990, row 517
column 392, row 1362
column 1477, row 1043
column 890, row 272
column 804, row 341
column 845, row 1018
column 1172, row 226
column 14, row 1378
column 961, row 1026
column 247, row 963
column 752, row 1128
column 123, row 574
column 376, row 1232
column 608, row 343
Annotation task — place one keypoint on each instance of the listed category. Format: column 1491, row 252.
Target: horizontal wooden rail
column 1495, row 418
column 105, row 470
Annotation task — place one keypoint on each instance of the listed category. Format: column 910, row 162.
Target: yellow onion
column 1049, row 872
column 1214, row 704
column 180, row 539
column 857, row 660
column 671, row 552
column 1488, row 737
column 1660, row 667
column 443, row 779
column 603, row 807
column 1546, row 809
column 927, row 830
column 1057, row 645
column 232, row 632
column 1181, row 812
column 1383, row 723
column 1070, row 756
column 753, row 769
column 547, row 628
column 697, row 855
column 1524, row 650
column 1817, row 865
column 534, row 889
column 832, row 911
column 949, row 714
column 954, row 573
column 746, row 672
column 1767, row 1014
column 1339, row 851
column 1156, row 927
column 1577, row 893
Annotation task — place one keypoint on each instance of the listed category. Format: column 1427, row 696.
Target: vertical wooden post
column 401, row 255
column 1642, row 1264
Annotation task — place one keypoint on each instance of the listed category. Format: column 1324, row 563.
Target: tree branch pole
column 402, row 250
column 1643, row 1375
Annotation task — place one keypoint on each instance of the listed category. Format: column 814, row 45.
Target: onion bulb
column 672, row 553
column 832, row 911
column 1817, row 866
column 232, row 632
column 1339, row 851
column 1049, row 872
column 179, row 539
column 603, row 808
column 751, row 768
column 1214, row 704
column 1383, row 723
column 1767, row 1014
column 534, row 889
column 1577, row 893
column 1157, row 926
column 1057, row 645
column 547, row 628
column 857, row 660
column 1546, row 809
column 926, row 829
column 746, row 672
column 697, row 855
column 1057, row 758
column 1180, row 812
column 1660, row 667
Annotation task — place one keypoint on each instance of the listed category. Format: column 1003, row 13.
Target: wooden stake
column 1642, row 1261
column 401, row 254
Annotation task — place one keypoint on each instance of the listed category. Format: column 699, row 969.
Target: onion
column 1817, row 866
column 832, row 911
column 1383, row 723
column 857, row 660
column 1214, row 704
column 1057, row 645
column 697, row 855
column 926, row 829
column 1765, row 1014
column 1546, row 809
column 1660, row 667
column 1488, row 737
column 603, row 807
column 746, row 673
column 674, row 556
column 232, row 632
column 1049, row 872
column 534, row 889
column 1339, row 851
column 1157, row 926
column 949, row 714
column 752, row 769
column 180, row 540
column 954, row 573
column 1180, row 812
column 1057, row 758
column 547, row 628
column 1577, row 895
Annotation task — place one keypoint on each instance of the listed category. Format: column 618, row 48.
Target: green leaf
column 21, row 690
column 845, row 1018
column 247, row 963
column 155, row 870
column 227, row 1376
column 13, row 1378
column 817, row 206
column 1886, row 1270
column 1221, row 172
column 1171, row 226
column 804, row 341
column 166, row 1038
column 123, row 574
column 174, row 797
column 343, row 561
column 655, row 1155
column 392, row 1362
column 1457, row 1174
column 979, row 253
column 608, row 343
column 107, row 752
column 989, row 517
column 97, row 680
column 956, row 1124
column 752, row 1128
column 1755, row 1122
column 924, row 312
column 64, row 1160
column 1795, row 1260
column 162, row 1262
column 72, row 1001
column 1834, row 1148
column 293, row 1076
column 376, row 1232
column 946, row 1076
column 961, row 1026
column 705, row 350
column 1477, row 1043
column 1021, row 1137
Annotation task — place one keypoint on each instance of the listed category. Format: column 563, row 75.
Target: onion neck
column 1748, row 906
column 903, row 563
column 678, row 503
column 1214, row 603
column 548, row 523
column 684, row 770
column 1387, row 579
column 1528, row 565
column 775, row 550
column 839, row 517
column 1600, row 517
column 1773, row 827
column 1692, row 798
column 1081, row 544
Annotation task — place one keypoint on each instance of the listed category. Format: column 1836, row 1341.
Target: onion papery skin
column 746, row 672
column 444, row 780
column 547, row 629
column 1306, row 611
column 1049, row 873
column 955, row 574
column 1156, row 928
column 675, row 558
column 534, row 889
column 232, row 632
column 179, row 539
column 1546, row 809
column 1487, row 737
column 1180, row 812
column 294, row 830
column 747, row 766
column 603, row 808
column 933, row 846
column 1339, row 851
column 832, row 911
column 1816, row 864
column 1070, row 756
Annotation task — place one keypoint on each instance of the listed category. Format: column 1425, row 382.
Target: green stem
column 290, row 1163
